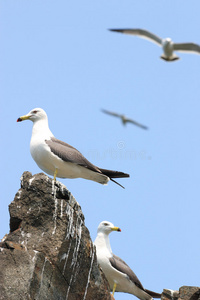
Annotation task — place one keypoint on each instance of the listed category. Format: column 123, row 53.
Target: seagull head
column 34, row 115
column 106, row 227
column 166, row 41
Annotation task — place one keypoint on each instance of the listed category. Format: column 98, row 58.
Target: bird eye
column 105, row 224
column 34, row 111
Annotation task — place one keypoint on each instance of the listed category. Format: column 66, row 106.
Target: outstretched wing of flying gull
column 124, row 119
column 167, row 44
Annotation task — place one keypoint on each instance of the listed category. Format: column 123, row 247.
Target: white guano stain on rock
column 31, row 180
column 56, row 206
column 70, row 229
column 25, row 238
column 66, row 255
column 92, row 259
column 74, row 264
column 41, row 279
column 61, row 208
column 18, row 195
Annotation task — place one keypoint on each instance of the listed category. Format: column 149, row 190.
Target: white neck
column 102, row 242
column 41, row 128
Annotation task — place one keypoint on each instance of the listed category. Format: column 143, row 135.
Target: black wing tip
column 116, row 30
column 125, row 175
column 119, row 175
column 113, row 174
column 125, row 29
column 142, row 126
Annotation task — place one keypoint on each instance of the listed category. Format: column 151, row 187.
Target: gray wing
column 121, row 266
column 187, row 47
column 142, row 33
column 136, row 123
column 69, row 154
column 111, row 113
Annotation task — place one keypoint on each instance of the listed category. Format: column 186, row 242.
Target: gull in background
column 58, row 158
column 120, row 277
column 167, row 44
column 124, row 119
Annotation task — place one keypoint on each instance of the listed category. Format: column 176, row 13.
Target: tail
column 153, row 294
column 114, row 174
column 171, row 58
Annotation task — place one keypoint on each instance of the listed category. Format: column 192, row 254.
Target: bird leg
column 55, row 174
column 114, row 288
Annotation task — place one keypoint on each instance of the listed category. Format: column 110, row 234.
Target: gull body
column 168, row 48
column 58, row 158
column 120, row 277
column 167, row 44
column 124, row 119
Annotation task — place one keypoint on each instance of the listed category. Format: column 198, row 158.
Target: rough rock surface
column 48, row 253
column 184, row 293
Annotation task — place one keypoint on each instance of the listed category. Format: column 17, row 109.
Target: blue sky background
column 59, row 55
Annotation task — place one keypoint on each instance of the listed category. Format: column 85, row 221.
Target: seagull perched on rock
column 120, row 277
column 58, row 158
column 124, row 119
column 167, row 44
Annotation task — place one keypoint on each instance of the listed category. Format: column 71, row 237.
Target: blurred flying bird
column 167, row 44
column 124, row 119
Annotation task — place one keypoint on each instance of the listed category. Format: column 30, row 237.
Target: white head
column 166, row 41
column 106, row 227
column 34, row 115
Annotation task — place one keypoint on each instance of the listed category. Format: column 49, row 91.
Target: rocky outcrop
column 184, row 293
column 48, row 253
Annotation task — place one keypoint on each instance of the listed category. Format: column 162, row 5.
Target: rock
column 184, row 293
column 48, row 253
column 189, row 293
column 169, row 295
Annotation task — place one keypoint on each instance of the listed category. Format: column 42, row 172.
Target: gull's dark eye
column 105, row 224
column 34, row 111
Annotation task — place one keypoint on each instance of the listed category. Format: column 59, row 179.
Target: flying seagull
column 58, row 158
column 167, row 44
column 124, row 119
column 120, row 277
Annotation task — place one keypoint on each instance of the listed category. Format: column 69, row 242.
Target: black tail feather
column 153, row 294
column 117, row 183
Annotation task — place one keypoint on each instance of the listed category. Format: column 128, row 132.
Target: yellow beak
column 116, row 228
column 23, row 118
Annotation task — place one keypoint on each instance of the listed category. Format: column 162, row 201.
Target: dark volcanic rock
column 184, row 293
column 48, row 253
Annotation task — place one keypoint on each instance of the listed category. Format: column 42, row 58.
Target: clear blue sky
column 59, row 55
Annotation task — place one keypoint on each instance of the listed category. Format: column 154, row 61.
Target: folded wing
column 69, row 154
